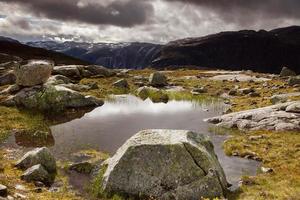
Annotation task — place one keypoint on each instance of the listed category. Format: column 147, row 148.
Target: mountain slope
column 15, row 48
column 259, row 51
column 120, row 55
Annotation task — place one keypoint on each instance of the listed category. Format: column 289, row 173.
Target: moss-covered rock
column 165, row 164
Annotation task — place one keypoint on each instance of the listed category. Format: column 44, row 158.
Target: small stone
column 199, row 90
column 20, row 196
column 254, row 94
column 233, row 92
column 266, row 170
column 39, row 184
column 122, row 84
column 21, row 187
column 82, row 167
column 37, row 173
column 3, row 191
column 158, row 79
column 256, row 137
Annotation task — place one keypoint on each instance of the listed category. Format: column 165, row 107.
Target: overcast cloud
column 156, row 21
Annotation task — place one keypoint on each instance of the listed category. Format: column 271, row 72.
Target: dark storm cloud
column 247, row 11
column 120, row 13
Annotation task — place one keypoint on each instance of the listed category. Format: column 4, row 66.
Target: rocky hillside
column 260, row 51
column 16, row 50
column 120, row 55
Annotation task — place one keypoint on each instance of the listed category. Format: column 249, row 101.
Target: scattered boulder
column 279, row 117
column 121, row 84
column 37, row 173
column 8, row 78
column 158, row 96
column 51, row 98
column 266, row 170
column 35, row 72
column 282, row 98
column 233, row 92
column 82, row 167
column 58, row 79
column 166, row 164
column 3, row 191
column 293, row 108
column 295, row 80
column 246, row 91
column 70, row 71
column 199, row 90
column 158, row 79
column 285, row 72
column 37, row 156
column 143, row 92
column 83, row 71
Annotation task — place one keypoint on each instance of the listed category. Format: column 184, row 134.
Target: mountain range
column 113, row 55
column 261, row 51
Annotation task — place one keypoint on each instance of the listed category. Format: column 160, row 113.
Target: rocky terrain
column 119, row 55
column 261, row 116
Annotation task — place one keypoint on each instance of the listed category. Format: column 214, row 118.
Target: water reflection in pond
column 106, row 128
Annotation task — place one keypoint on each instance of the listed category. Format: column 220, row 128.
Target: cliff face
column 260, row 51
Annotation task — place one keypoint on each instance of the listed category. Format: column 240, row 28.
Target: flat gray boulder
column 166, row 164
column 37, row 156
column 279, row 117
column 35, row 72
column 51, row 98
column 8, row 78
column 157, row 79
column 82, row 71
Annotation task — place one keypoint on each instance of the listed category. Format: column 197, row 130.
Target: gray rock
column 143, row 92
column 282, row 98
column 199, row 90
column 83, row 71
column 158, row 96
column 82, row 167
column 246, row 90
column 8, row 78
column 35, row 72
column 268, row 118
column 294, row 108
column 121, row 84
column 51, row 98
column 287, row 72
column 37, row 173
column 3, row 191
column 37, row 156
column 166, row 164
column 294, row 80
column 70, row 71
column 233, row 92
column 58, row 79
column 158, row 79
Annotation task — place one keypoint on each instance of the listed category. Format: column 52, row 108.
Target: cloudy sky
column 157, row 21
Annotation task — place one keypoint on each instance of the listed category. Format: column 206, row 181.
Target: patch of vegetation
column 279, row 151
column 10, row 177
column 13, row 118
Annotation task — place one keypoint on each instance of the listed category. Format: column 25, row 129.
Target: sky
column 156, row 21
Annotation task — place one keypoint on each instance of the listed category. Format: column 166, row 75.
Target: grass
column 279, row 151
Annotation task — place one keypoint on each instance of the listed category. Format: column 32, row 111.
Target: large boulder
column 51, row 98
column 165, row 164
column 35, row 72
column 37, row 156
column 83, row 71
column 287, row 72
column 158, row 79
